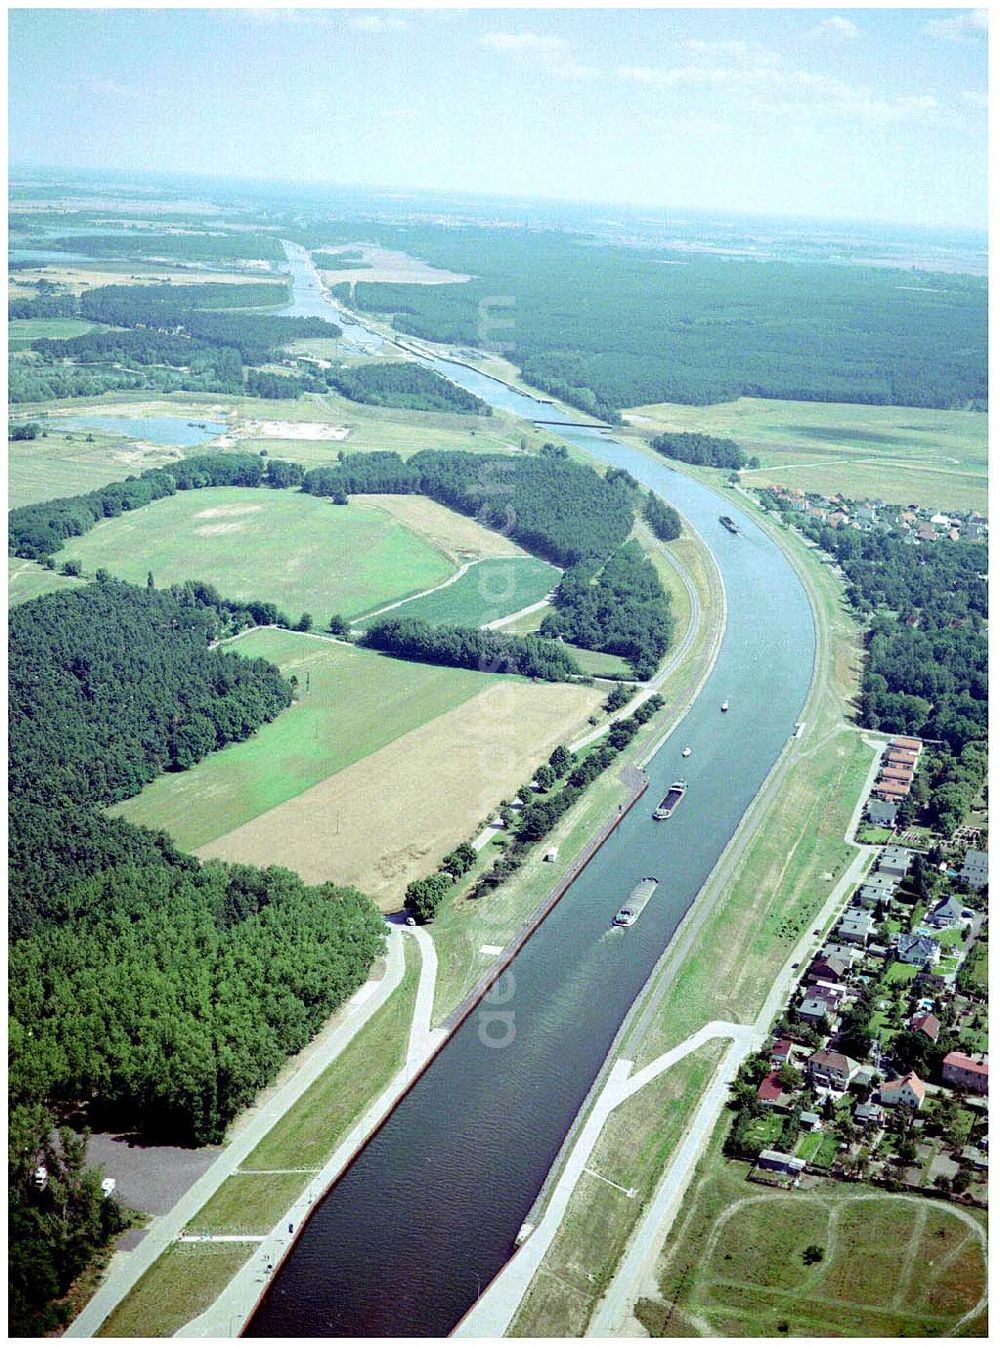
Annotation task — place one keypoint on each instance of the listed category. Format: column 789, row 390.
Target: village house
column 881, row 814
column 832, row 969
column 907, row 1092
column 855, row 928
column 948, row 912
column 907, row 741
column 895, row 772
column 778, row 1163
column 869, row 1115
column 895, row 861
column 830, row 1069
column 772, row 1094
column 928, row 1024
column 781, row 1052
column 975, row 869
column 966, row 1073
column 919, row 950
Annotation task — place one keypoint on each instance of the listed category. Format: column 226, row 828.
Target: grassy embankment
column 733, row 1265
column 762, row 900
column 633, row 1150
column 296, row 551
column 357, row 702
column 462, row 926
column 898, row 454
column 186, row 1279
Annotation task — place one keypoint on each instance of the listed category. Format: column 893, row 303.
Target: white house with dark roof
column 919, row 950
column 975, row 870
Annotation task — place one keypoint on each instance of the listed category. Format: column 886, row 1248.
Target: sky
column 876, row 114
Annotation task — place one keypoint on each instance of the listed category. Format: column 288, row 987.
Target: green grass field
column 733, row 1264
column 901, row 454
column 357, row 702
column 27, row 580
column 297, row 551
column 23, row 331
column 62, row 463
column 488, row 590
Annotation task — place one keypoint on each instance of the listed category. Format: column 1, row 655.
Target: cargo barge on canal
column 632, row 908
column 728, row 523
column 671, row 800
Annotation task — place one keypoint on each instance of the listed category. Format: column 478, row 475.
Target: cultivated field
column 297, row 551
column 357, row 703
column 891, row 1266
column 79, row 276
column 901, row 454
column 488, row 591
column 389, row 818
column 456, row 535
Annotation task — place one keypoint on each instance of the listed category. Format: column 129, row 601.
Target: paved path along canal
column 428, row 1212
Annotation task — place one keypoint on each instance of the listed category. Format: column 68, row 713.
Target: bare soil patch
column 293, row 430
column 391, row 817
column 387, row 265
column 220, row 511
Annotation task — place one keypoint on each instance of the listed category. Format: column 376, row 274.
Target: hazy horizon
column 865, row 116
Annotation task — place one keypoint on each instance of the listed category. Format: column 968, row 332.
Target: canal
column 428, row 1212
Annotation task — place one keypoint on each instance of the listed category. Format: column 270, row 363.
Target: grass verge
column 634, row 1147
column 180, row 1285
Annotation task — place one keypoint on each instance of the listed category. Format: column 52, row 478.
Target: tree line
column 620, row 608
column 404, row 384
column 559, row 510
column 544, row 801
column 703, row 450
column 471, row 648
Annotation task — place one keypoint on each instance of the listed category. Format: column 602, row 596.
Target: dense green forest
column 704, row 450
column 926, row 655
column 404, row 384
column 181, row 337
column 471, row 648
column 620, row 608
column 608, row 327
column 226, row 246
column 148, row 992
column 559, row 510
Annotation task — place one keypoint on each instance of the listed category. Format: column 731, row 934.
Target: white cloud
column 304, row 18
column 975, row 98
column 743, row 53
column 970, row 26
column 836, row 28
column 749, row 81
column 552, row 56
column 378, row 23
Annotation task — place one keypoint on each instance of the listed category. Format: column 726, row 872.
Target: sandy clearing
column 293, row 430
column 391, row 817
column 387, row 265
column 212, row 530
column 219, row 511
column 457, row 535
